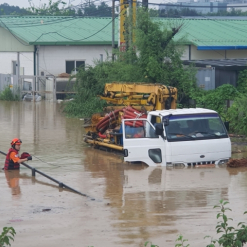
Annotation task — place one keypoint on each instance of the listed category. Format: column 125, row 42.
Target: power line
column 190, row 6
column 39, row 65
column 25, row 44
column 77, row 39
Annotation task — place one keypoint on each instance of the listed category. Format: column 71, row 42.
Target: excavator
column 126, row 101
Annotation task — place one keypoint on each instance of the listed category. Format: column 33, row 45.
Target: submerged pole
column 60, row 184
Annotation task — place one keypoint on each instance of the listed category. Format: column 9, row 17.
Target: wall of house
column 10, row 43
column 213, row 54
column 26, row 62
column 52, row 59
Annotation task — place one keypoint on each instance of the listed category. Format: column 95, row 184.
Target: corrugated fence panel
column 206, row 78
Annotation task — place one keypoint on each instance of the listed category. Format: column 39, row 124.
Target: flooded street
column 133, row 203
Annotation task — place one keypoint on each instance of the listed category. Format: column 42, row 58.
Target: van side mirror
column 159, row 129
column 166, row 121
column 227, row 125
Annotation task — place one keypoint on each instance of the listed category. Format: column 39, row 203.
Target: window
column 139, row 129
column 195, row 127
column 74, row 66
column 14, row 64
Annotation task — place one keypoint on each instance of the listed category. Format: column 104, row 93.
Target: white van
column 185, row 137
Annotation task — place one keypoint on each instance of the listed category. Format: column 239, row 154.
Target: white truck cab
column 187, row 137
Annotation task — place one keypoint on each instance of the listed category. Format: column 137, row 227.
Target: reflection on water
column 137, row 203
column 12, row 178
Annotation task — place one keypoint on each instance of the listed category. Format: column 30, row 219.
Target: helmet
column 16, row 141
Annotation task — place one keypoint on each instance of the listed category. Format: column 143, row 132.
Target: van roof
column 181, row 111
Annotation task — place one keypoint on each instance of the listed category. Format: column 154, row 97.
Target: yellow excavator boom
column 151, row 96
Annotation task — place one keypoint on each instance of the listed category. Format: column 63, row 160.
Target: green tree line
column 58, row 8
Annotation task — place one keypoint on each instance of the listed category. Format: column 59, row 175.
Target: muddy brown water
column 133, row 203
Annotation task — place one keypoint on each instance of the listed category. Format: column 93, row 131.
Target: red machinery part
column 101, row 136
column 105, row 121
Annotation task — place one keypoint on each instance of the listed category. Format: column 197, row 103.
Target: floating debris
column 237, row 163
column 46, row 209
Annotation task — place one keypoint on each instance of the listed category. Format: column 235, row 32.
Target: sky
column 25, row 3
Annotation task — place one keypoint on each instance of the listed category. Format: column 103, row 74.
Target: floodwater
column 133, row 203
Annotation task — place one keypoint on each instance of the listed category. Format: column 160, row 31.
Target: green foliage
column 231, row 237
column 169, row 13
column 242, row 82
column 58, row 8
column 6, row 236
column 216, row 99
column 148, row 243
column 152, row 58
column 88, row 85
column 238, row 115
column 179, row 12
column 100, row 10
column 6, row 9
column 181, row 242
column 52, row 8
column 8, row 95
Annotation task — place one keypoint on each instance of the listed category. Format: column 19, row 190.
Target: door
column 141, row 144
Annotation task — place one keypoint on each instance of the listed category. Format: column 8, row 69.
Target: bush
column 8, row 95
column 237, row 114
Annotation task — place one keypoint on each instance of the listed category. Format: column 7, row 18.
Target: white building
column 52, row 45
column 55, row 45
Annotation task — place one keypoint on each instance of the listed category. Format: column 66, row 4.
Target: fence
column 7, row 80
column 48, row 87
column 44, row 86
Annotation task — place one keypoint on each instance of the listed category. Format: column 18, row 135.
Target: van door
column 141, row 144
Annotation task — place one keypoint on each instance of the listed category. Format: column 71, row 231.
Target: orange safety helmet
column 16, row 141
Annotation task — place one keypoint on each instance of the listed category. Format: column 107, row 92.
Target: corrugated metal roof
column 211, row 34
column 38, row 30
column 206, row 34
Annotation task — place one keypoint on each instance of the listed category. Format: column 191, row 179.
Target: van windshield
column 195, row 127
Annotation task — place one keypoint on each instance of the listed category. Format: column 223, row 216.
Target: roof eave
column 73, row 43
column 205, row 48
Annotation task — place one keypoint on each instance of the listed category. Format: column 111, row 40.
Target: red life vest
column 10, row 164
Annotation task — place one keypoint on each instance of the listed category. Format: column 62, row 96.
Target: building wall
column 213, row 54
column 26, row 62
column 9, row 43
column 52, row 59
column 237, row 6
column 203, row 7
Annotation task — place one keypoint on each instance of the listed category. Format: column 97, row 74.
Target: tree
column 152, row 57
column 52, row 8
column 6, row 9
column 101, row 10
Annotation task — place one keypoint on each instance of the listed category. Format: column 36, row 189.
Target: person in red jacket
column 12, row 161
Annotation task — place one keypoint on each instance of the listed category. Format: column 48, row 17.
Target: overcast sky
column 25, row 3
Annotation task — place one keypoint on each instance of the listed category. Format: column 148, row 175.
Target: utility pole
column 131, row 21
column 113, row 28
column 145, row 4
column 18, row 73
